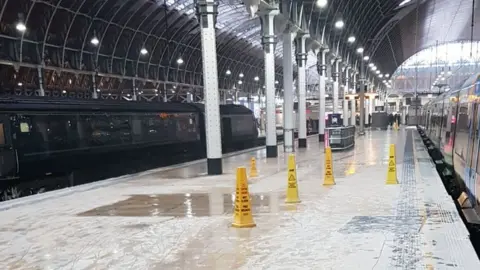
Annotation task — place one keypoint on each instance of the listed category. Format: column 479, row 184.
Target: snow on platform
column 179, row 218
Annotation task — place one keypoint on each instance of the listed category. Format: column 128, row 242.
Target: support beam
column 345, row 101
column 41, row 90
column 367, row 110
column 353, row 119
column 335, row 73
column 362, row 97
column 288, row 128
column 134, row 90
column 268, row 42
column 94, row 86
column 207, row 13
column 322, row 70
column 301, row 57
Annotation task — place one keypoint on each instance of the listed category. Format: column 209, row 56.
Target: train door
column 8, row 156
column 472, row 152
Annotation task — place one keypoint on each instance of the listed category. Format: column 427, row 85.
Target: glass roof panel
column 445, row 54
column 444, row 66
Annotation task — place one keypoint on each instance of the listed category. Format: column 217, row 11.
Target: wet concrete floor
column 187, row 205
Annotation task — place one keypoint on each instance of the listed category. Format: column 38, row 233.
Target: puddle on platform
column 186, row 205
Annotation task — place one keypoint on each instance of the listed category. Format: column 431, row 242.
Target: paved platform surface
column 179, row 218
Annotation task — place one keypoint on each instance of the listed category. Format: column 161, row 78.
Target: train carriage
column 41, row 136
column 452, row 124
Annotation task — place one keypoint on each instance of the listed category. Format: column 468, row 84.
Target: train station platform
column 179, row 218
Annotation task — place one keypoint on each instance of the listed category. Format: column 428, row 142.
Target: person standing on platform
column 390, row 119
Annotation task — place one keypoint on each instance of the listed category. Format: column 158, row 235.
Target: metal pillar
column 345, row 101
column 353, row 119
column 207, row 13
column 301, row 57
column 288, row 127
column 335, row 76
column 268, row 42
column 134, row 90
column 361, row 104
column 367, row 108
column 94, row 86
column 322, row 70
column 372, row 105
column 41, row 90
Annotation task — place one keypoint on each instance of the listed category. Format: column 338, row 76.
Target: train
column 46, row 136
column 450, row 127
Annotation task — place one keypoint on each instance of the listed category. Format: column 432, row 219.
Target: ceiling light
column 94, row 41
column 256, row 78
column 374, row 68
column 228, row 72
column 20, row 84
column 351, row 39
column 360, row 50
column 21, row 27
column 180, row 61
column 240, row 82
column 143, row 51
column 240, row 75
column 378, row 71
column 380, row 75
column 276, row 82
column 339, row 24
column 366, row 58
column 371, row 65
column 322, row 3
column 387, row 75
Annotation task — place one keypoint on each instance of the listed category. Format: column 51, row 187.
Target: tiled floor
column 180, row 218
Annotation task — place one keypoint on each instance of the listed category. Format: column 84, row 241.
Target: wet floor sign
column 328, row 179
column 242, row 216
column 292, row 189
column 253, row 168
column 392, row 167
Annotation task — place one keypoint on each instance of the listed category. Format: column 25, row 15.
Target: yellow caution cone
column 242, row 216
column 253, row 168
column 392, row 167
column 328, row 179
column 292, row 189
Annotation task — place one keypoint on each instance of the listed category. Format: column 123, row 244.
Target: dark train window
column 186, row 127
column 2, row 135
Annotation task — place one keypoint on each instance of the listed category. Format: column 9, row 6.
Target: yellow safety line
column 427, row 256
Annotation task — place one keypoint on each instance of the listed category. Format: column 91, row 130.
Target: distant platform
column 179, row 218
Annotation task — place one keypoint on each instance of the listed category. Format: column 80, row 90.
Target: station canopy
column 153, row 46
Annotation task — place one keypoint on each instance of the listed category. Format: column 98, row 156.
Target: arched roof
column 390, row 31
column 59, row 33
